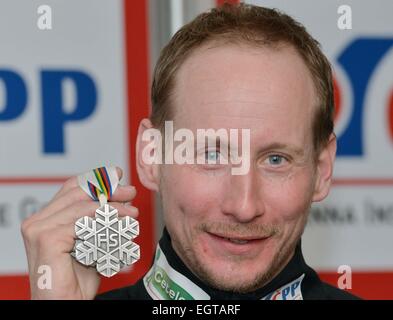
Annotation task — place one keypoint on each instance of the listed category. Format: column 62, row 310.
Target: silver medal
column 106, row 241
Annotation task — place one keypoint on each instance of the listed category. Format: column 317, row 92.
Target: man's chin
column 234, row 276
column 230, row 270
column 238, row 282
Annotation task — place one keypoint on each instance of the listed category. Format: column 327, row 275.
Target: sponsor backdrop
column 71, row 99
column 354, row 226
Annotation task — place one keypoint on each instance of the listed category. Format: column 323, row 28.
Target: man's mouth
column 241, row 241
column 237, row 241
column 226, row 240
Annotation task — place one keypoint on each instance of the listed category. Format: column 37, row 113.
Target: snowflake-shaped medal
column 106, row 241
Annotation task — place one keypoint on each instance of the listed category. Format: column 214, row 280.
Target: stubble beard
column 225, row 280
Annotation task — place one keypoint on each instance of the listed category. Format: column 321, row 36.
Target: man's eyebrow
column 282, row 146
column 217, row 142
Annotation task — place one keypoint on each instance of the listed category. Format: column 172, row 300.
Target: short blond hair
column 252, row 25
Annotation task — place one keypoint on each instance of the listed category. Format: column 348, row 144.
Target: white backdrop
column 94, row 49
column 354, row 226
column 71, row 98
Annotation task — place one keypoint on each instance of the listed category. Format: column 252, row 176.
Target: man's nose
column 243, row 200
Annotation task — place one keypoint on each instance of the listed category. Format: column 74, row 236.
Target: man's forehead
column 262, row 119
column 230, row 82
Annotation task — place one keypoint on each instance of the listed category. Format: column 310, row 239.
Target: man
column 227, row 236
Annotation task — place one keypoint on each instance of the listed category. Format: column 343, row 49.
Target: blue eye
column 212, row 155
column 275, row 159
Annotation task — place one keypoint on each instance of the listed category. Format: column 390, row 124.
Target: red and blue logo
column 359, row 61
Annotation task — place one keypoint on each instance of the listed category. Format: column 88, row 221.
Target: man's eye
column 212, row 155
column 276, row 160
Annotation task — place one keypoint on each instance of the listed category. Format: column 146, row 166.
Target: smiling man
column 233, row 236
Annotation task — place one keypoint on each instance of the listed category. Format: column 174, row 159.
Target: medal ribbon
column 99, row 183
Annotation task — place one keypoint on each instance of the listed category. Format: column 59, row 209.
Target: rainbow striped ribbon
column 102, row 177
column 103, row 180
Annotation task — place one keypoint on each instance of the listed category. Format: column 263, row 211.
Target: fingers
column 49, row 236
column 72, row 183
column 72, row 203
column 51, row 231
column 75, row 195
column 59, row 239
column 124, row 194
column 69, row 184
column 119, row 172
column 86, row 208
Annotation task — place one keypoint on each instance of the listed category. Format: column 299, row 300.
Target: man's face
column 238, row 231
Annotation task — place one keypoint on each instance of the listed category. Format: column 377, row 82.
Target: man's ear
column 324, row 170
column 148, row 172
